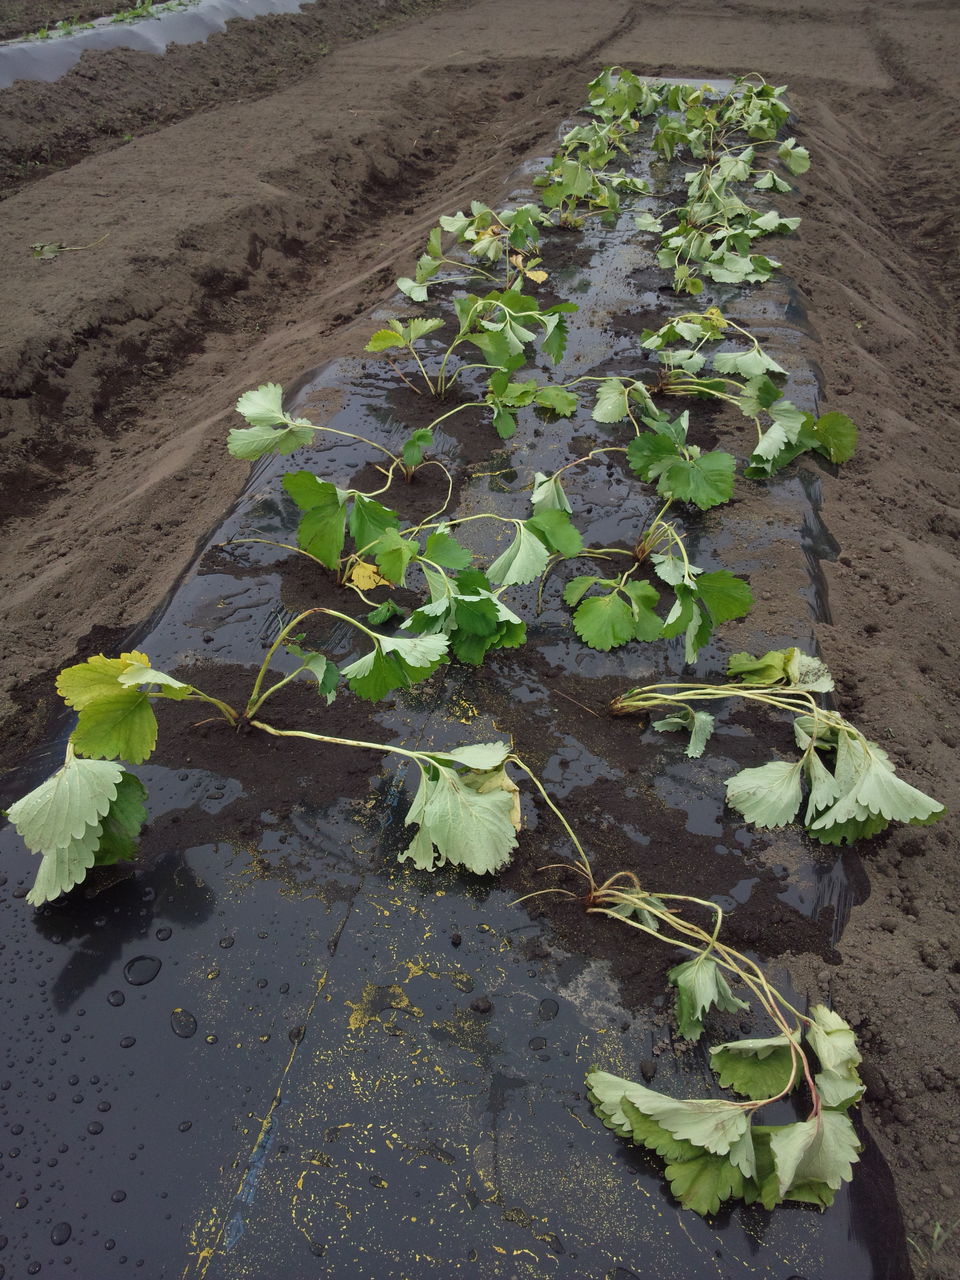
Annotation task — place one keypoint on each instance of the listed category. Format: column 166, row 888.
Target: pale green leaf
column 823, row 1149
column 60, row 869
column 611, row 404
column 824, row 789
column 548, row 494
column 466, row 827
column 768, row 796
column 704, row 1183
column 749, row 364
column 806, row 672
column 138, row 673
column 263, row 407
column 673, row 570
column 69, row 802
column 700, row 986
column 523, row 561
column 415, row 292
column 835, row 1045
column 795, row 159
column 479, row 756
column 416, row 651
column 699, row 725
column 251, row 443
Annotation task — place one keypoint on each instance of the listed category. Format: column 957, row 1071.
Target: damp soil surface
column 260, row 192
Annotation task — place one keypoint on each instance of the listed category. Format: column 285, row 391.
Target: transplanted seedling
column 852, row 789
column 47, row 252
column 91, row 810
column 748, row 378
column 714, row 1147
column 611, row 611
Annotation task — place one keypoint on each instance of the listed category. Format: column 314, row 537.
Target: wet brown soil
column 250, row 223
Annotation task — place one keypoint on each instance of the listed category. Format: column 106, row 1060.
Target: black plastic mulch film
column 266, row 1058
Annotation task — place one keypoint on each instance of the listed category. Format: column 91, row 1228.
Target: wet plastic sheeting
column 193, row 22
column 273, row 1057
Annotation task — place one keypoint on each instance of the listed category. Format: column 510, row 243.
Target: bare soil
column 249, row 221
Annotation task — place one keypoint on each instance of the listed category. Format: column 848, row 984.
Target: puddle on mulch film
column 355, row 1066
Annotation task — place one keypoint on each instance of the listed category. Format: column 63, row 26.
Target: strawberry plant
column 714, row 1147
column 748, row 380
column 612, row 611
column 91, row 810
column 500, row 325
column 713, row 232
column 510, row 237
column 852, row 789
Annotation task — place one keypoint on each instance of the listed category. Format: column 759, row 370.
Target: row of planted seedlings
column 481, row 307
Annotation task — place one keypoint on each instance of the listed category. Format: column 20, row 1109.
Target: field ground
column 254, row 194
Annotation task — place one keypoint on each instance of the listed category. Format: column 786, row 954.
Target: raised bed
column 292, row 1047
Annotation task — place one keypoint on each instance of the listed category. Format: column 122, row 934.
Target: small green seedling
column 47, row 252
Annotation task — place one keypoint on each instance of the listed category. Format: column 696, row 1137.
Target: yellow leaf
column 537, row 276
column 367, row 576
column 134, row 658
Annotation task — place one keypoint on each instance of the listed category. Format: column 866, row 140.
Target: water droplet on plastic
column 127, row 1042
column 118, row 1197
column 538, row 1042
column 548, row 1010
column 164, row 932
column 211, row 1039
column 33, row 1269
column 295, row 1034
column 183, row 1023
column 185, row 1126
column 116, row 998
column 141, row 970
column 94, row 1127
column 226, row 943
column 61, row 1233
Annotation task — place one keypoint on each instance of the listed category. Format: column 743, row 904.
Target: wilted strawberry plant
column 91, row 810
column 714, row 1147
column 852, row 789
column 748, row 380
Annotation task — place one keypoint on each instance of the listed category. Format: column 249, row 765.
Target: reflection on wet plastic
column 188, row 23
